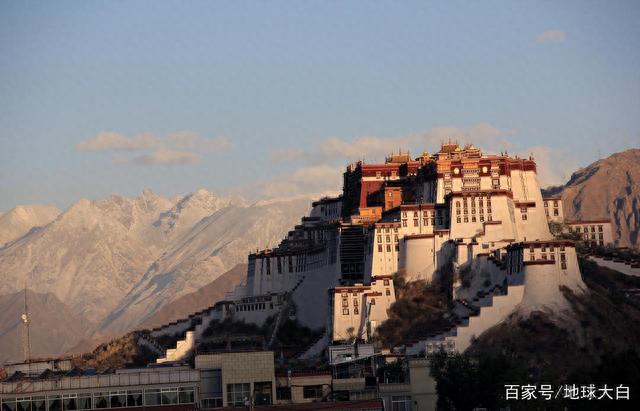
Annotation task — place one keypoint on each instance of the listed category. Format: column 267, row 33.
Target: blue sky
column 273, row 98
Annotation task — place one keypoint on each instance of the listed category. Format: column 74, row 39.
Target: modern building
column 166, row 388
column 236, row 379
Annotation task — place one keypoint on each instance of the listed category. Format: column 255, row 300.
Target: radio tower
column 26, row 320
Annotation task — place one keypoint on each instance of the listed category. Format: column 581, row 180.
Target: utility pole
column 26, row 320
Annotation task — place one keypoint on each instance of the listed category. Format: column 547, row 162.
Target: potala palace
column 443, row 214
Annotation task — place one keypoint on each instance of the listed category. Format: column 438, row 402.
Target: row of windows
column 555, row 212
column 473, row 219
column 555, row 203
column 386, row 230
column 473, row 211
column 239, row 395
column 586, row 229
column 388, row 238
column 254, row 307
column 101, row 400
column 425, row 222
column 388, row 248
column 416, row 214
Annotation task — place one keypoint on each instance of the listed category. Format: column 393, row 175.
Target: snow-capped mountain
column 116, row 261
column 211, row 247
column 19, row 220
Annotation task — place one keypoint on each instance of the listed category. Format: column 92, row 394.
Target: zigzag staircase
column 470, row 318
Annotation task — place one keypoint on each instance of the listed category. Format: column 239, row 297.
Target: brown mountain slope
column 54, row 326
column 198, row 300
column 608, row 188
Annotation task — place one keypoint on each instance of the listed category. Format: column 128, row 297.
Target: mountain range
column 606, row 189
column 104, row 267
column 116, row 261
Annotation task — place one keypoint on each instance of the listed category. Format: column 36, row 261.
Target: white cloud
column 166, row 157
column 175, row 149
column 189, row 140
column 375, row 148
column 553, row 166
column 107, row 141
column 551, row 36
column 304, row 180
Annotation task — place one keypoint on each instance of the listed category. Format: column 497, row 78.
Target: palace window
column 458, row 220
column 355, row 311
column 386, row 230
column 466, row 219
column 555, row 212
column 524, row 216
column 425, row 221
column 600, row 228
column 563, row 265
column 481, row 218
column 473, row 219
column 397, row 247
column 373, row 301
column 388, row 292
column 489, row 218
column 355, row 302
column 388, row 238
column 345, row 311
column 404, row 223
column 345, row 302
column 386, row 282
column 379, row 248
column 388, row 248
column 415, row 222
column 395, row 238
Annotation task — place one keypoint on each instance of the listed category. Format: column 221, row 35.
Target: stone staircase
column 186, row 345
column 472, row 316
column 150, row 342
column 284, row 312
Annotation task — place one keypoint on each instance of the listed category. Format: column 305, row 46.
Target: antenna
column 26, row 320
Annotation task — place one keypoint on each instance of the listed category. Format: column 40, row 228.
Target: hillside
column 213, row 246
column 608, row 188
column 19, row 220
column 594, row 342
column 198, row 300
column 46, row 340
column 116, row 261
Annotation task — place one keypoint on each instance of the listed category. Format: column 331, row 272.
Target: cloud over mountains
column 179, row 148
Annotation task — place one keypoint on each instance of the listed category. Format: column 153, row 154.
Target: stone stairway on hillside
column 187, row 344
column 473, row 316
column 150, row 342
column 284, row 311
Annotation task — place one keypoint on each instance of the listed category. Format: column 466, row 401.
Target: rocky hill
column 54, row 329
column 116, row 261
column 198, row 300
column 19, row 220
column 608, row 188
